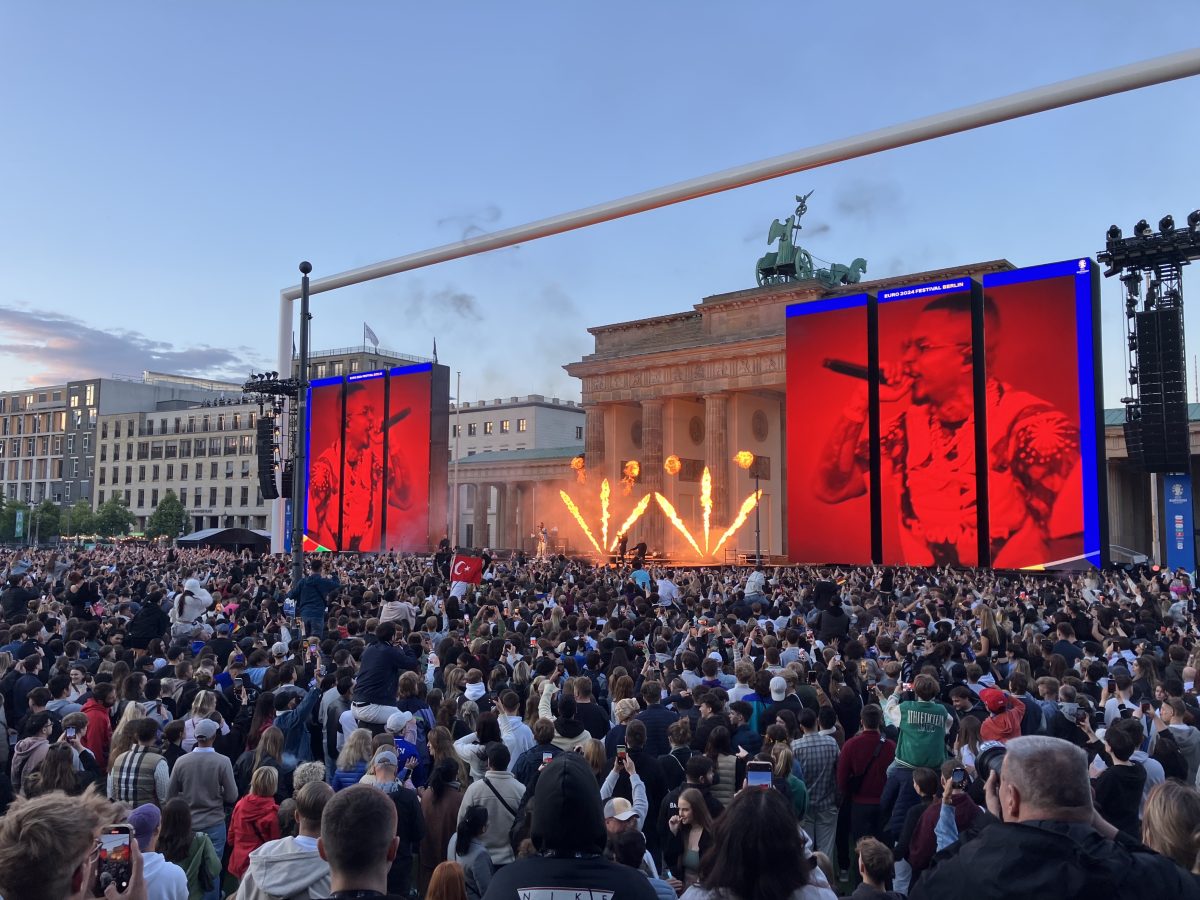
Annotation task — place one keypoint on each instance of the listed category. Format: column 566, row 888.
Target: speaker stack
column 266, row 458
column 1162, row 430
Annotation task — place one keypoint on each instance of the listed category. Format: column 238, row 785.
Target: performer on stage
column 543, row 540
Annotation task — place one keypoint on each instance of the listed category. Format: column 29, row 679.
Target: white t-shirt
column 164, row 880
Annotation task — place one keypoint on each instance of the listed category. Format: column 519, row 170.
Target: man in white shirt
column 668, row 592
column 164, row 880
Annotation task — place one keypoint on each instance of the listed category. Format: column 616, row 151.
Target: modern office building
column 32, row 438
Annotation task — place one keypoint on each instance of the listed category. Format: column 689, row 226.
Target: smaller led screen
column 323, row 512
column 928, row 482
column 1043, row 497
column 362, row 463
column 828, row 458
column 408, row 429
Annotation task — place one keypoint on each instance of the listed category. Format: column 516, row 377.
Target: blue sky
column 166, row 166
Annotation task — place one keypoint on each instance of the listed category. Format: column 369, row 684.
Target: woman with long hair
column 762, row 855
column 466, row 848
column 441, row 746
column 620, row 688
column 1171, row 823
column 56, row 773
column 202, row 707
column 123, row 737
column 593, row 752
column 966, row 745
column 690, row 838
column 447, row 883
column 262, row 719
column 352, row 761
column 784, row 777
column 728, row 769
column 440, row 802
column 191, row 850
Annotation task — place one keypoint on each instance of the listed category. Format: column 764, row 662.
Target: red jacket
column 1006, row 725
column 255, row 821
column 99, row 731
column 855, row 759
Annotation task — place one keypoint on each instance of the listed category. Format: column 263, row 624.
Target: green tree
column 79, row 519
column 8, row 521
column 168, row 517
column 113, row 518
column 46, row 518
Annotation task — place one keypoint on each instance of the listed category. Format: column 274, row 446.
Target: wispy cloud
column 53, row 347
column 472, row 223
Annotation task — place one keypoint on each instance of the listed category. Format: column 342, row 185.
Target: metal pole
column 299, row 501
column 1014, row 106
column 457, row 437
column 757, row 507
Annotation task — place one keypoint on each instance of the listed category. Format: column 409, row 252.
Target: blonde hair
column 203, row 705
column 782, row 754
column 44, row 840
column 1171, row 823
column 594, row 753
column 357, row 749
column 265, row 781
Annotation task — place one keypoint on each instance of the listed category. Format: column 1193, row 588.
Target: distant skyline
column 167, row 167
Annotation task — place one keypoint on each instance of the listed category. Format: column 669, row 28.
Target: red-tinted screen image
column 1036, row 480
column 828, row 462
column 324, row 464
column 408, row 452
column 362, row 463
column 928, row 494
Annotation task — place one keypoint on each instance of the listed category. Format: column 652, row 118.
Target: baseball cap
column 993, row 699
column 397, row 721
column 279, row 648
column 778, row 688
column 144, row 820
column 223, row 628
column 385, row 757
column 620, row 809
column 207, row 729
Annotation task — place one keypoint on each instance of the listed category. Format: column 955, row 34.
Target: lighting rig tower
column 1156, row 412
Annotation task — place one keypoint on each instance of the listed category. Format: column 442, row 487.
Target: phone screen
column 758, row 774
column 115, row 865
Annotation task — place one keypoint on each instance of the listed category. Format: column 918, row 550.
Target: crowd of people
column 376, row 729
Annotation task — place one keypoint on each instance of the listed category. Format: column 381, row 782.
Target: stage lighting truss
column 1161, row 256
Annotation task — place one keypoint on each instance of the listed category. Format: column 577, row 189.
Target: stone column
column 500, row 539
column 483, row 495
column 717, row 455
column 652, row 470
column 593, row 441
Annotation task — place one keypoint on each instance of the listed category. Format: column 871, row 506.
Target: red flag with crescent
column 467, row 568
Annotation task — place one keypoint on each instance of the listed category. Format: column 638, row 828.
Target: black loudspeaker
column 1162, row 390
column 289, row 471
column 266, row 458
column 1133, row 445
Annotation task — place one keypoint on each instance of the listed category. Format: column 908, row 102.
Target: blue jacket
column 310, row 594
column 657, row 719
column 297, row 747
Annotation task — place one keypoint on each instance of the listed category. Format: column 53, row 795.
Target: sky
column 166, row 166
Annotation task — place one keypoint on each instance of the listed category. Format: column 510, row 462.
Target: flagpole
column 457, row 438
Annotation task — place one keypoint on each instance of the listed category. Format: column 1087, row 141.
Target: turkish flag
column 467, row 568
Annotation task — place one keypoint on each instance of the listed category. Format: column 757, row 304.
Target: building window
column 116, row 452
column 472, row 429
column 129, row 474
column 455, row 430
column 212, row 497
column 70, row 443
column 198, row 497
column 489, row 427
column 102, row 476
column 104, row 453
column 522, row 424
column 91, row 395
column 183, row 470
column 103, row 430
column 100, row 496
column 504, row 426
column 141, row 473
column 170, row 472
column 229, row 469
column 228, row 497
column 245, row 496
column 212, row 471
column 141, row 497
column 154, row 497
column 579, row 432
column 154, row 472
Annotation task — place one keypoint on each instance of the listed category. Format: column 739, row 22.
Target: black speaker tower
column 265, row 445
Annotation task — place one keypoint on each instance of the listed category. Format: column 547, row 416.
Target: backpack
column 1168, row 755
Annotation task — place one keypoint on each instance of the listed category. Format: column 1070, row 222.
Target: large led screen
column 409, row 456
column 929, row 503
column 324, row 432
column 828, row 431
column 1043, row 485
column 363, row 462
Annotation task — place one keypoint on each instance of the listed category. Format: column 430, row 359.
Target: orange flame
column 747, row 507
column 669, row 510
column 706, row 501
column 672, row 464
column 604, row 495
column 633, row 517
column 574, row 510
column 629, row 474
column 744, row 458
column 579, row 464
